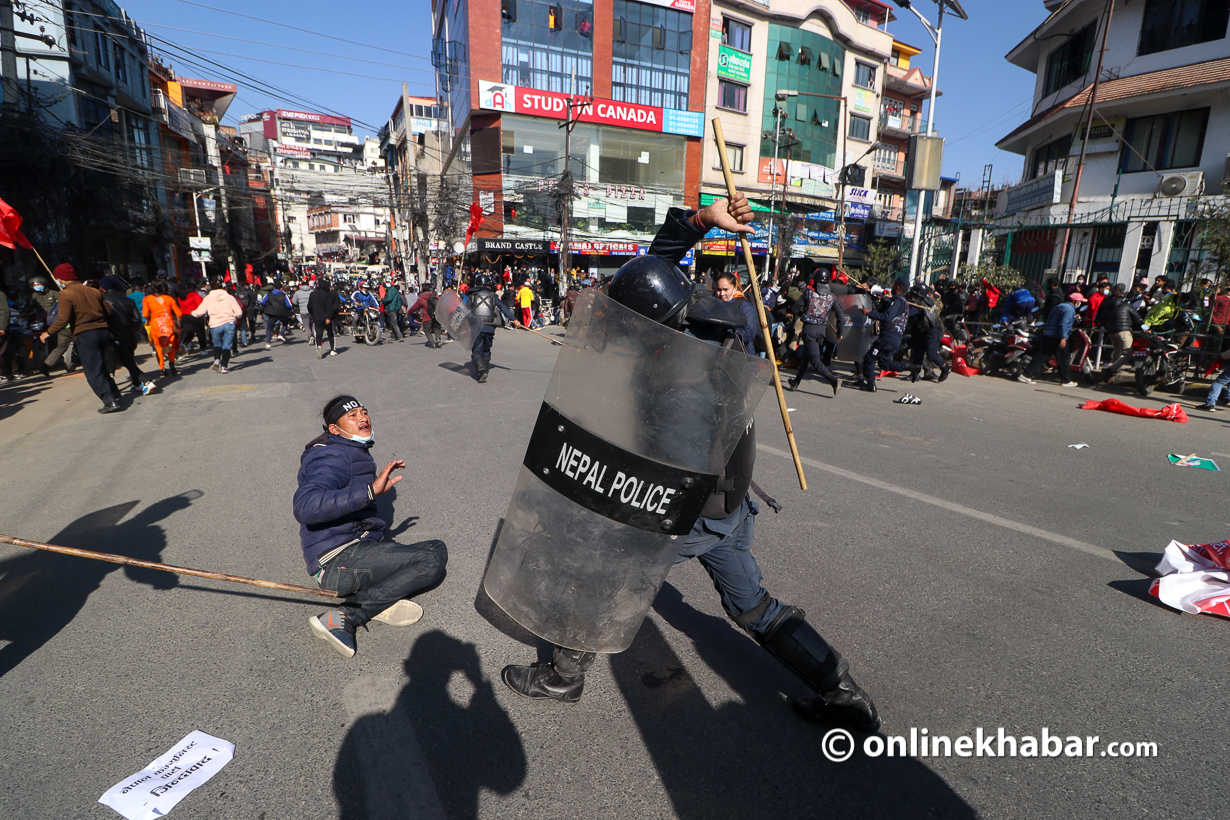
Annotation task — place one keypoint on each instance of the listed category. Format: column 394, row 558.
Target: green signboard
column 734, row 64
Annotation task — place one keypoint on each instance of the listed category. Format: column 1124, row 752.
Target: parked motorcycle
column 1161, row 358
column 1000, row 347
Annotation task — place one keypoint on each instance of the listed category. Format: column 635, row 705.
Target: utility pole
column 8, row 55
column 777, row 138
column 564, row 189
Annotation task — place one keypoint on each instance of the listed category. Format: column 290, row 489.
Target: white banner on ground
column 154, row 791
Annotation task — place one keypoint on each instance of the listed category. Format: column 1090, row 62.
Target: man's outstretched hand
column 728, row 214
column 386, row 480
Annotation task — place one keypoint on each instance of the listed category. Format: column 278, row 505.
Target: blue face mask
column 39, row 288
column 359, row 439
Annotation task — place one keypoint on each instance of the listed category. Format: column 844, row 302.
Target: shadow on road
column 16, row 395
column 751, row 757
column 442, row 744
column 42, row 592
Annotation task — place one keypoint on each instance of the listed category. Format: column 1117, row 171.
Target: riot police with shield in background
column 610, row 497
column 485, row 306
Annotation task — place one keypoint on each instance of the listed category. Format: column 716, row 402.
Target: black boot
column 792, row 385
column 478, row 369
column 944, row 371
column 836, row 382
column 915, row 372
column 485, row 368
column 846, row 704
column 562, row 679
column 794, row 642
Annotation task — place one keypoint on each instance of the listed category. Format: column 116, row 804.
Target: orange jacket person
column 161, row 314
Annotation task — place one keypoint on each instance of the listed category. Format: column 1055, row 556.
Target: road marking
column 951, row 506
column 396, row 779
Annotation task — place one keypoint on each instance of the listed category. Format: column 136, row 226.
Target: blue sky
column 984, row 97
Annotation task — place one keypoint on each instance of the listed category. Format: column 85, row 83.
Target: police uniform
column 485, row 306
column 721, row 537
column 815, row 306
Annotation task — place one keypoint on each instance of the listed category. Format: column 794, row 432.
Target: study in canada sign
column 516, row 100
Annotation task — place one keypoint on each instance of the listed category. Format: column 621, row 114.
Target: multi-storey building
column 348, row 233
column 905, row 89
column 629, row 75
column 1157, row 146
column 411, row 146
column 797, row 86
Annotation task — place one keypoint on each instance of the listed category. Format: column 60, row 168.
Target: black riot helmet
column 823, row 276
column 484, row 281
column 652, row 287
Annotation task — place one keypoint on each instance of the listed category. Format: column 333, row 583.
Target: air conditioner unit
column 1188, row 183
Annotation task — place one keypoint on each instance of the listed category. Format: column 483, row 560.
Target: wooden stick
column 543, row 335
column 764, row 322
column 134, row 562
column 59, row 284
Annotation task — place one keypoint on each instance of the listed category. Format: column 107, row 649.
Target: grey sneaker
column 216, row 366
column 1023, row 379
column 335, row 629
column 1068, row 384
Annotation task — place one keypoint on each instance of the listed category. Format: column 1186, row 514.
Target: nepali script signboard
column 1037, row 193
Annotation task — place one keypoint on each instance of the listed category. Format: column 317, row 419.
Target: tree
column 1214, row 217
column 881, row 259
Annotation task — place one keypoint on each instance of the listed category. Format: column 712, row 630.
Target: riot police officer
column 818, row 308
column 485, row 306
column 892, row 313
column 724, row 519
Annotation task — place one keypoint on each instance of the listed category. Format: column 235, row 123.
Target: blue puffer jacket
column 334, row 503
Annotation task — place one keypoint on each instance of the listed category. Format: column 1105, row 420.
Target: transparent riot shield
column 636, row 426
column 856, row 340
column 456, row 318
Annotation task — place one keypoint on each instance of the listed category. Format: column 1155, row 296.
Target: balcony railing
column 903, row 124
column 890, row 167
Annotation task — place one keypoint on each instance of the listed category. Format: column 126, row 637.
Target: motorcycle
column 1161, row 358
column 367, row 326
column 1079, row 347
column 1000, row 348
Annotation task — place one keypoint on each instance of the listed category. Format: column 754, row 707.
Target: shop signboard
column 536, row 246
column 513, row 99
column 598, row 248
column 1037, row 193
column 734, row 64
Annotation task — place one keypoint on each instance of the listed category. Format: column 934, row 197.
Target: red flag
column 10, row 228
column 1171, row 412
column 476, row 220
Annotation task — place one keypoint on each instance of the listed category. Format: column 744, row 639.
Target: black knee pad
column 794, row 642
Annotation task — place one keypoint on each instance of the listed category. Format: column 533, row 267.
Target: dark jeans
column 92, row 348
column 1046, row 347
column 194, row 326
column 880, row 357
column 374, row 575
column 723, row 548
column 273, row 325
column 482, row 344
column 121, row 351
column 813, row 340
column 320, row 330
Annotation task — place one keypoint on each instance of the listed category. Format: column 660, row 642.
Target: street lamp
column 778, row 111
column 936, row 33
column 844, row 180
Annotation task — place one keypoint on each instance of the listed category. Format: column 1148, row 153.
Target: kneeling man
column 343, row 540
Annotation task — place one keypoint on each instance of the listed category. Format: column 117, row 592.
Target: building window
column 1051, row 157
column 1070, row 61
column 734, row 153
column 652, row 55
column 100, row 48
column 121, row 66
column 784, row 51
column 1164, row 141
column 732, row 96
column 1168, row 24
column 736, row 35
column 860, row 128
column 805, row 55
column 863, row 16
column 864, row 75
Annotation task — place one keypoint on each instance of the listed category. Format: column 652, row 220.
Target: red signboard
column 516, row 100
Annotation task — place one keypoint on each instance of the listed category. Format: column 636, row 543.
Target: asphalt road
column 976, row 571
